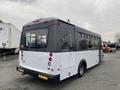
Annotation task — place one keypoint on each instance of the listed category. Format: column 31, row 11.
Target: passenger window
column 83, row 44
column 85, row 41
column 64, row 41
column 89, row 44
column 67, row 40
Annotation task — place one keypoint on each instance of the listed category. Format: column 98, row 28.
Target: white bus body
column 54, row 63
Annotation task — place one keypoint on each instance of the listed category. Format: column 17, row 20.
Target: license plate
column 43, row 77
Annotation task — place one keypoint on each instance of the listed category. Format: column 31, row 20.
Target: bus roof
column 41, row 20
column 79, row 29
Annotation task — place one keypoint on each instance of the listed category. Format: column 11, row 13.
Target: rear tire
column 81, row 70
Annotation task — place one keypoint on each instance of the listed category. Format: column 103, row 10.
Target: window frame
column 88, row 38
column 35, row 49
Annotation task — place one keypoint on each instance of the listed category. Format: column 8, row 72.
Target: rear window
column 36, row 38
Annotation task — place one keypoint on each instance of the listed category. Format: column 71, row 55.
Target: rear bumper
column 41, row 75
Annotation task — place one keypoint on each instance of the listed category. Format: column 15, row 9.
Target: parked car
column 111, row 47
column 106, row 49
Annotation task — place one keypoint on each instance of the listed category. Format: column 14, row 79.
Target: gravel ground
column 105, row 76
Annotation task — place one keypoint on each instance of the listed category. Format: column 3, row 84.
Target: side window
column 64, row 41
column 71, row 40
column 81, row 41
column 86, row 41
column 94, row 43
column 83, row 44
column 78, row 36
column 97, row 43
column 90, row 44
column 67, row 40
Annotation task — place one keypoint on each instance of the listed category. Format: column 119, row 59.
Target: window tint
column 85, row 42
column 64, row 41
column 67, row 40
column 36, row 38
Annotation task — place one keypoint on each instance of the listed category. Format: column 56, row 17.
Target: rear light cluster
column 50, row 60
column 50, row 56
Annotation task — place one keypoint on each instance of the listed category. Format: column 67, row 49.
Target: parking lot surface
column 105, row 76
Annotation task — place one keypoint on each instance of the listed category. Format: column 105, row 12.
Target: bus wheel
column 81, row 70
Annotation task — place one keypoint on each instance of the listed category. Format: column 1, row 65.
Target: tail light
column 50, row 58
column 50, row 54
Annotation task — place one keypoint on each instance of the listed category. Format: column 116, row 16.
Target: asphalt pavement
column 105, row 76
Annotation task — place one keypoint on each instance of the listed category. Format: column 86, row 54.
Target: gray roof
column 41, row 20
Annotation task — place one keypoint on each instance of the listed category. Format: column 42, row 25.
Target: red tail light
column 50, row 58
column 51, row 54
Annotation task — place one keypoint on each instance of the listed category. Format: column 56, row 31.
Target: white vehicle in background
column 9, row 38
column 54, row 49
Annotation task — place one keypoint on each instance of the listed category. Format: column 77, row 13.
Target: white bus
column 52, row 49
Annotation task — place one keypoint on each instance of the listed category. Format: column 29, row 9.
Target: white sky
column 100, row 16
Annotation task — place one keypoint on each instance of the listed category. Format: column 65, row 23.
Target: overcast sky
column 100, row 16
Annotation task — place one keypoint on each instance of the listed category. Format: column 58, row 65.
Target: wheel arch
column 83, row 61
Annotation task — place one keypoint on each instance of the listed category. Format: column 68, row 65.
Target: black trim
column 5, row 51
column 6, row 48
column 34, row 49
column 35, row 73
column 58, row 51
